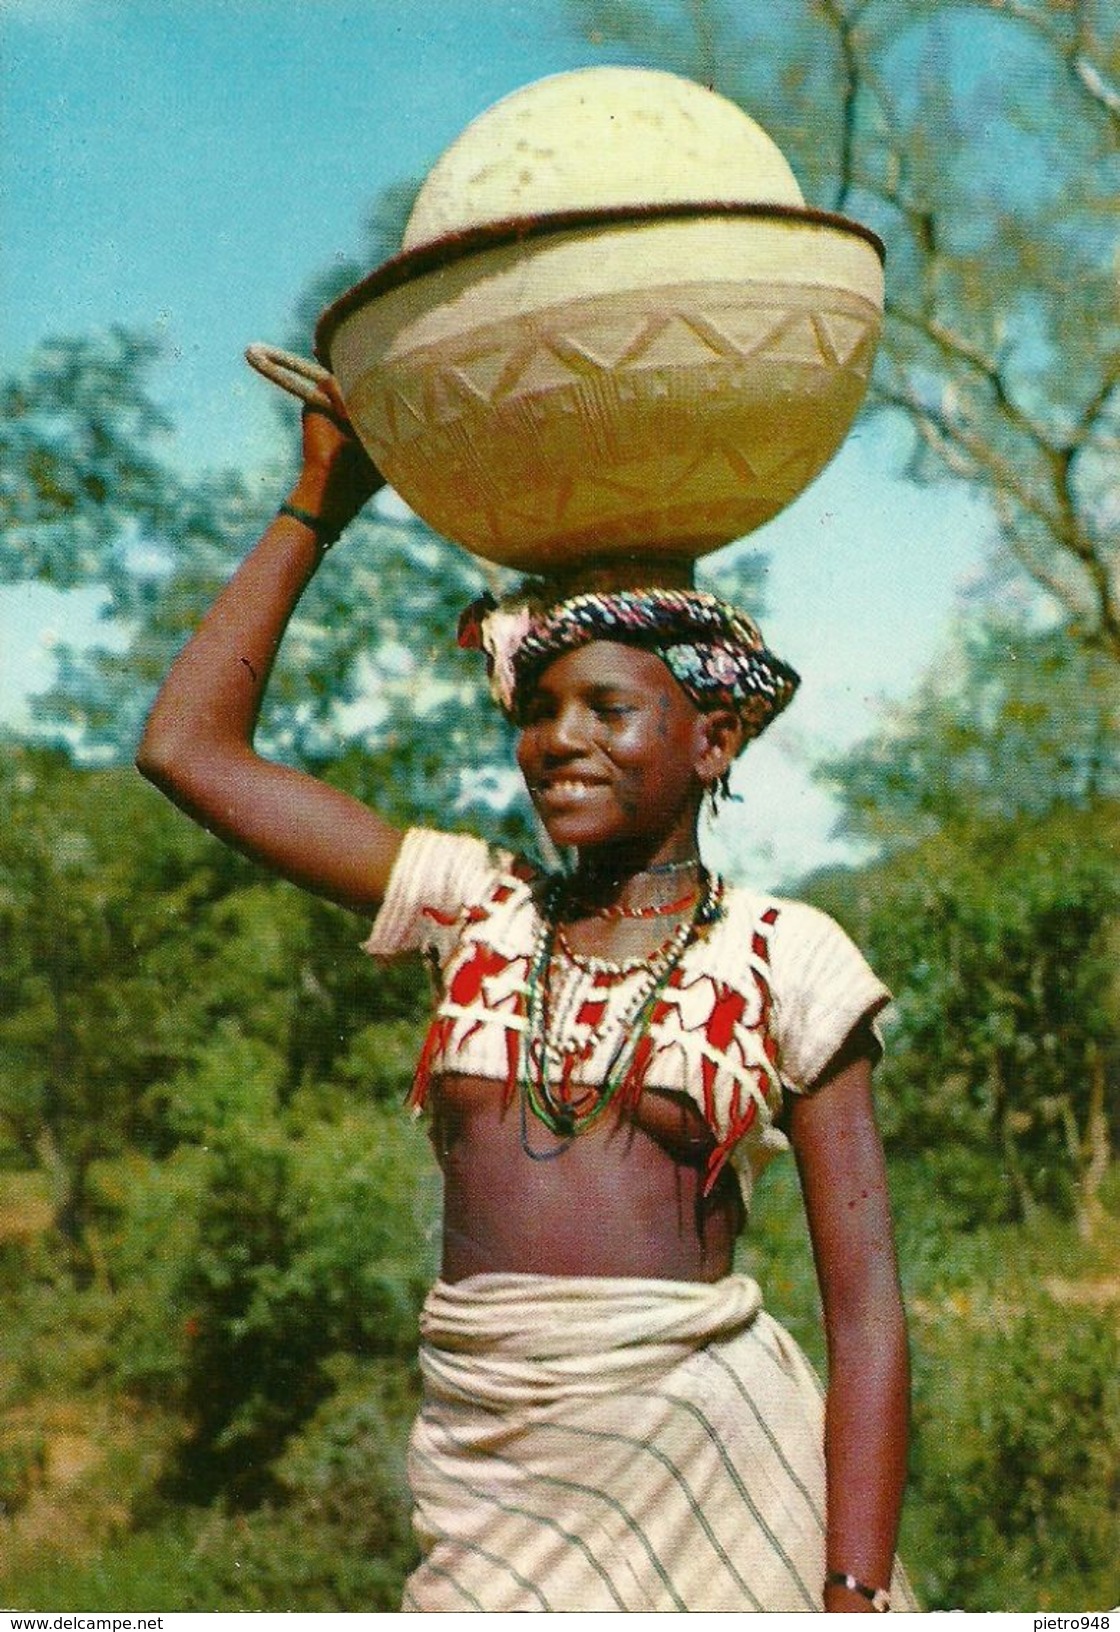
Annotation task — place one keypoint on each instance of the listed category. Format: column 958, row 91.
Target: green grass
column 152, row 1571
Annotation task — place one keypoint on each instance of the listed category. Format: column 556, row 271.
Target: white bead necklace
column 545, row 1055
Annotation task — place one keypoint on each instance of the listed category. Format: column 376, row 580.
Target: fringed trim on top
column 724, row 1033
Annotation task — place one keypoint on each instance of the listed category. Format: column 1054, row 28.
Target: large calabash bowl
column 614, row 328
column 657, row 382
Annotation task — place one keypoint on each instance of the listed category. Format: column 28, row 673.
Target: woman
column 610, row 1420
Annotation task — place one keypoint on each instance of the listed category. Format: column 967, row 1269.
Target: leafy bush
column 307, row 1246
column 23, row 1457
column 337, row 1534
column 1000, row 945
column 1017, row 1462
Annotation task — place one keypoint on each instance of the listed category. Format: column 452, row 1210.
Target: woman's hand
column 337, row 476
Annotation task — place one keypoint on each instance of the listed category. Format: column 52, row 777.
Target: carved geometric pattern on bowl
column 539, row 352
column 793, row 374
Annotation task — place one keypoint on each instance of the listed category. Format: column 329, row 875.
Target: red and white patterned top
column 759, row 1004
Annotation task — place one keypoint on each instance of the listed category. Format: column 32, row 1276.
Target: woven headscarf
column 714, row 651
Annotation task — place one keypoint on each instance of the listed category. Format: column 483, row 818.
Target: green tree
column 155, row 988
column 991, row 798
column 85, row 1025
column 1016, row 720
column 999, row 940
column 82, row 472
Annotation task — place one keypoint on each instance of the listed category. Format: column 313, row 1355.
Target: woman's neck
column 634, row 882
column 616, row 864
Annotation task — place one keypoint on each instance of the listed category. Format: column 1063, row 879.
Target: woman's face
column 610, row 749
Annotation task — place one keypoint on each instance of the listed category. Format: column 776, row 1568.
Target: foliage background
column 216, row 1226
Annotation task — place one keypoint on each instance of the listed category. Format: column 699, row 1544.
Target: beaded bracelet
column 878, row 1597
column 325, row 533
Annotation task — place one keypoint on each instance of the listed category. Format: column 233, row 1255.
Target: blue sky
column 186, row 166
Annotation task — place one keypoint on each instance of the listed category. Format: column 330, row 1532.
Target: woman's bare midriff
column 622, row 1198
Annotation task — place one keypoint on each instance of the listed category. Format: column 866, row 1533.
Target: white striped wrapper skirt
column 599, row 1444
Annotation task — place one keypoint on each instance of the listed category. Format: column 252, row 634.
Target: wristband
column 878, row 1597
column 325, row 533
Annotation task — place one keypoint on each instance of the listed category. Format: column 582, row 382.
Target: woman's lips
column 568, row 789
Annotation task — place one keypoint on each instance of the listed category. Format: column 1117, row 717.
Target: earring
column 718, row 790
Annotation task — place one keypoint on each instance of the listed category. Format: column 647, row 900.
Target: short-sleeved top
column 760, row 1002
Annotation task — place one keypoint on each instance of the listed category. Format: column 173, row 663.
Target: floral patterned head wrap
column 714, row 651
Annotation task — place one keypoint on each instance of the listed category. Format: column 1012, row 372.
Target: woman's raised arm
column 197, row 745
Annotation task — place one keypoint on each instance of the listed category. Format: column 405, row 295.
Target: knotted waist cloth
column 592, row 1443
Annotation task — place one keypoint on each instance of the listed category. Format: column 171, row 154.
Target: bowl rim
column 410, row 264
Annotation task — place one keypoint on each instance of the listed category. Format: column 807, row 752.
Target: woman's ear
column 721, row 740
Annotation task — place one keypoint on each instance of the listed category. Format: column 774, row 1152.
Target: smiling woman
column 610, row 1418
column 611, row 749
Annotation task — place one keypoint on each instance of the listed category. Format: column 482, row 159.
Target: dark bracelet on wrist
column 326, row 533
column 878, row 1597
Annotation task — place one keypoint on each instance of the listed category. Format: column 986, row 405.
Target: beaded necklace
column 663, row 909
column 656, row 869
column 541, row 1050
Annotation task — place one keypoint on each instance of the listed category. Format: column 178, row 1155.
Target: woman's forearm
column 844, row 1183
column 866, row 1428
column 207, row 710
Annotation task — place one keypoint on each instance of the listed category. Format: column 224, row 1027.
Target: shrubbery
column 308, row 1247
column 1017, row 1459
column 260, row 1296
column 1001, row 944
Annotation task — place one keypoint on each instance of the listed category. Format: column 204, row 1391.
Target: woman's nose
column 566, row 730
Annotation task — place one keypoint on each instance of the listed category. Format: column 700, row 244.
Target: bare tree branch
column 1073, row 46
column 844, row 28
column 1002, row 342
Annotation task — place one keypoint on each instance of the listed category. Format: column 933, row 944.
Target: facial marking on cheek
column 663, row 720
column 629, row 794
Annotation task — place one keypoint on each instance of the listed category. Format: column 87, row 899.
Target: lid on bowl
column 599, row 138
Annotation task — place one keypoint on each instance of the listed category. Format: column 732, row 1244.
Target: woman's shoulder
column 821, row 982
column 440, row 879
column 785, row 918
column 472, row 862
